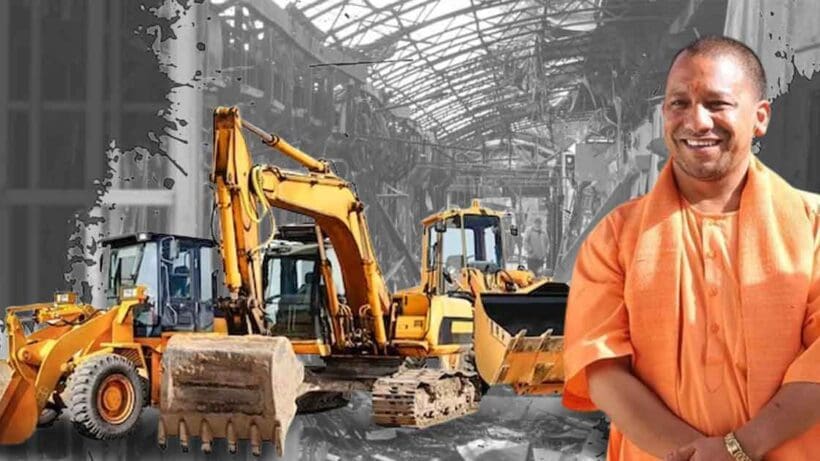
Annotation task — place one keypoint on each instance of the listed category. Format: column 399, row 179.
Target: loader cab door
column 129, row 266
column 185, row 285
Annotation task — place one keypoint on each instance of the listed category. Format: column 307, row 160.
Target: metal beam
column 77, row 197
column 139, row 197
column 301, row 37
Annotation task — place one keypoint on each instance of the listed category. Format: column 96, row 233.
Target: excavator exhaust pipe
column 519, row 338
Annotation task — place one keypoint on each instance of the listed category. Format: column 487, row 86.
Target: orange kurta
column 716, row 312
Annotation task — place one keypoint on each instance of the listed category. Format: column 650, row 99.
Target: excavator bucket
column 519, row 338
column 232, row 387
column 18, row 407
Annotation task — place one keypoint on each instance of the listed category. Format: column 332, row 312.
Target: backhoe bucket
column 519, row 338
column 233, row 387
column 18, row 407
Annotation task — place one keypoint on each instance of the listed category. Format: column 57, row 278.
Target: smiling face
column 711, row 112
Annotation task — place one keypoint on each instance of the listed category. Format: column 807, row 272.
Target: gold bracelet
column 734, row 448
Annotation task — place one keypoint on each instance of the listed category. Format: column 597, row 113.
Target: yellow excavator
column 361, row 332
column 220, row 369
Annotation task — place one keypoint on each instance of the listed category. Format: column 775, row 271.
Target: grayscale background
column 545, row 108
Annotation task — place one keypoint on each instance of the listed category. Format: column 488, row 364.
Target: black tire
column 49, row 414
column 84, row 385
column 319, row 401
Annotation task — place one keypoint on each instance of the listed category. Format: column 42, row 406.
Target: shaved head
column 713, row 46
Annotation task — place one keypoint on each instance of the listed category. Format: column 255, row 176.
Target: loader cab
column 177, row 273
column 462, row 240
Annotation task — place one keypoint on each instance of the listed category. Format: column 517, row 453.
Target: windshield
column 482, row 242
column 131, row 266
column 291, row 289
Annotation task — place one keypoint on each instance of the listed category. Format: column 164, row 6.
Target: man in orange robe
column 694, row 311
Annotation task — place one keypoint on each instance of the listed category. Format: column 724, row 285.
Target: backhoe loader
column 236, row 377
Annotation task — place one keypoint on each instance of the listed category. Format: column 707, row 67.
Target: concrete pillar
column 185, row 143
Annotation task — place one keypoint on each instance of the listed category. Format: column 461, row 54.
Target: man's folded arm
column 598, row 350
column 637, row 411
column 795, row 408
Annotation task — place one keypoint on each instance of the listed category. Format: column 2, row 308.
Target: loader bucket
column 519, row 338
column 18, row 407
column 233, row 387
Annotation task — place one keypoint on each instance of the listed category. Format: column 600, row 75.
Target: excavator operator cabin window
column 292, row 286
column 336, row 272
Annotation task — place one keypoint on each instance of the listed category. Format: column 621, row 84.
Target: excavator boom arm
column 241, row 188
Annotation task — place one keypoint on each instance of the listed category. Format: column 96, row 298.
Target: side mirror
column 440, row 227
column 514, row 230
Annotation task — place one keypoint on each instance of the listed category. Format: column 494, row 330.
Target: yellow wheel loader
column 104, row 366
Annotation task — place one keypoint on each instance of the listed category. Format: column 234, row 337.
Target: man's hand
column 702, row 449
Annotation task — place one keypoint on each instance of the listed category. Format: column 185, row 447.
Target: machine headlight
column 138, row 292
column 65, row 298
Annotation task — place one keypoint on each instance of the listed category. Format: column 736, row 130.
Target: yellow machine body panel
column 18, row 406
column 38, row 361
column 448, row 317
column 66, row 336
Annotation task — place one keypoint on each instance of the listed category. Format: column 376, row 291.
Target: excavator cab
column 299, row 292
column 177, row 273
column 296, row 297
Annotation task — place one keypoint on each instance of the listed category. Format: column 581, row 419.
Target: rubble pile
column 507, row 428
